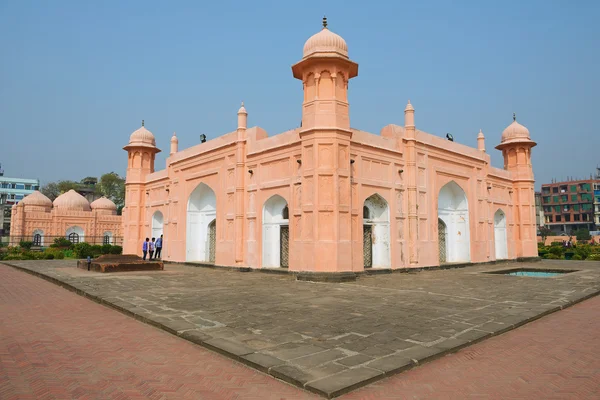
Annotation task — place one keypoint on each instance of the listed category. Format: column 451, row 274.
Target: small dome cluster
column 325, row 42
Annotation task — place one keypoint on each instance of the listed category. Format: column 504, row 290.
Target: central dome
column 325, row 42
column 72, row 201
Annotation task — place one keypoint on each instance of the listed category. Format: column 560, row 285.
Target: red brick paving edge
column 331, row 395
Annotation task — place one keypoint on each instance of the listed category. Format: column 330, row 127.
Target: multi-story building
column 597, row 199
column 13, row 190
column 569, row 206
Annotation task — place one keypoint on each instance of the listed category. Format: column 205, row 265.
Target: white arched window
column 75, row 234
column 107, row 238
column 38, row 237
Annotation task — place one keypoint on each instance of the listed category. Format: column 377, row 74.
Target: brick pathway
column 556, row 357
column 57, row 345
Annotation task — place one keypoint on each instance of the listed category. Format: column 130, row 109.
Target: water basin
column 532, row 272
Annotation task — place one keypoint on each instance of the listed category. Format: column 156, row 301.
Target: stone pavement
column 556, row 357
column 330, row 338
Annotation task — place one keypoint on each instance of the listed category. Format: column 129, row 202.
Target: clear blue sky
column 77, row 77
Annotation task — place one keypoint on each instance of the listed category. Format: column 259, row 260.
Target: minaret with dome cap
column 142, row 152
column 325, row 70
column 324, row 191
column 516, row 145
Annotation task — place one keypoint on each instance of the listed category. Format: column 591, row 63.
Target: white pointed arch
column 201, row 211
column 275, row 217
column 453, row 210
column 376, row 223
column 500, row 236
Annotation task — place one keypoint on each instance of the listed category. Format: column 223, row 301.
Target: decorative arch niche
column 453, row 211
column 275, row 233
column 157, row 224
column 500, row 236
column 376, row 232
column 201, row 235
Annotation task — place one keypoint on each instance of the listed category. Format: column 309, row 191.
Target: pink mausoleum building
column 326, row 197
column 38, row 219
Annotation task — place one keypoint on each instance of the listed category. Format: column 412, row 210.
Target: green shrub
column 55, row 253
column 556, row 250
column 83, row 250
column 106, row 248
column 30, row 255
column 13, row 250
column 62, row 242
column 68, row 254
column 583, row 251
column 10, row 257
column 26, row 244
column 551, row 256
column 96, row 250
column 594, row 257
column 116, row 250
column 576, row 257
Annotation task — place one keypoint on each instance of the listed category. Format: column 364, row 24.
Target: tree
column 112, row 186
column 583, row 234
column 54, row 189
column 544, row 233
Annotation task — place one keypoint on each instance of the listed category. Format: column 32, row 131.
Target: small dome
column 242, row 109
column 72, row 201
column 37, row 199
column 103, row 204
column 142, row 137
column 325, row 42
column 515, row 132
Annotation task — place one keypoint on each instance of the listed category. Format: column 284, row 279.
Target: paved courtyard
column 331, row 337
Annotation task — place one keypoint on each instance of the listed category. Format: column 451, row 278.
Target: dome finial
column 324, row 22
column 142, row 122
column 514, row 116
column 242, row 104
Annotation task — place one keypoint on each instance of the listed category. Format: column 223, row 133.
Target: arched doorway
column 376, row 233
column 201, row 213
column 157, row 225
column 38, row 237
column 276, row 237
column 500, row 239
column 442, row 241
column 453, row 211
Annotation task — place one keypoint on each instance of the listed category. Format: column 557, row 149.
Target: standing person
column 158, row 247
column 151, row 248
column 145, row 248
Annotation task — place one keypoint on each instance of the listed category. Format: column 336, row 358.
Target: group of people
column 153, row 246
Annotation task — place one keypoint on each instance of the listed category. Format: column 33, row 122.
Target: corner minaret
column 411, row 187
column 141, row 152
column 516, row 145
column 174, row 144
column 324, row 71
column 481, row 141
